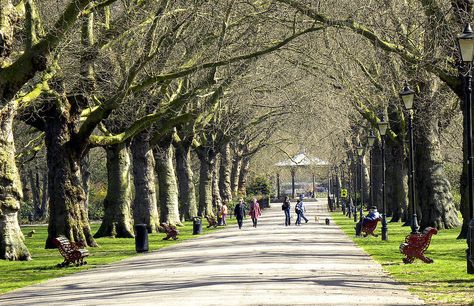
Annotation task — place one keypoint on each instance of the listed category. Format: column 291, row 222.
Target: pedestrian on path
column 255, row 211
column 286, row 207
column 300, row 210
column 239, row 212
column 224, row 212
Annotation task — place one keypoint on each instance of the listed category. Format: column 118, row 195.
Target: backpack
column 285, row 205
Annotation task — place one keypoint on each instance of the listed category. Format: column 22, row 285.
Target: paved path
column 312, row 264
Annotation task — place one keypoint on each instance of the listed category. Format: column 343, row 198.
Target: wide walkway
column 312, row 264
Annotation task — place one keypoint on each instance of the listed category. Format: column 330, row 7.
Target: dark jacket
column 239, row 211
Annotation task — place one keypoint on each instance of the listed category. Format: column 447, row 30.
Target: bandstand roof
column 302, row 160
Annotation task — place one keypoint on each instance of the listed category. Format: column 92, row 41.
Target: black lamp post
column 356, row 186
column 360, row 153
column 349, row 186
column 466, row 46
column 408, row 96
column 383, row 125
column 371, row 141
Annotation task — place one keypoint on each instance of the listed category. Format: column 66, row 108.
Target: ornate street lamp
column 408, row 96
column 383, row 125
column 371, row 141
column 466, row 46
column 343, row 199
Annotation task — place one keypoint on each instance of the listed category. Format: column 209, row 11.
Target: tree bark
column 145, row 206
column 67, row 215
column 216, row 196
column 44, row 197
column 187, row 193
column 117, row 221
column 12, row 246
column 435, row 202
column 225, row 170
column 205, row 183
column 86, row 175
column 243, row 175
column 235, row 173
column 168, row 187
column 35, row 191
column 396, row 181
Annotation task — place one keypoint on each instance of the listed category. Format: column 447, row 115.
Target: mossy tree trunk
column 216, row 195
column 12, row 246
column 187, row 193
column 67, row 215
column 225, row 170
column 434, row 199
column 207, row 159
column 235, row 172
column 243, row 175
column 168, row 186
column 145, row 206
column 396, row 182
column 117, row 221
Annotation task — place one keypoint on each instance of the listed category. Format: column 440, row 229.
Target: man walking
column 239, row 212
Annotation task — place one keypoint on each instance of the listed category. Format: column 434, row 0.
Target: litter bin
column 197, row 226
column 141, row 238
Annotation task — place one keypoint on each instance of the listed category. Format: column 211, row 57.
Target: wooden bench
column 369, row 226
column 170, row 230
column 416, row 244
column 73, row 252
column 212, row 221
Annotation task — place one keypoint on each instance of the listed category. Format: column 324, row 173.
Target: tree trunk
column 435, row 202
column 86, row 175
column 234, row 174
column 168, row 187
column 205, row 184
column 117, row 221
column 145, row 206
column 216, row 196
column 225, row 170
column 35, row 191
column 12, row 246
column 396, row 181
column 243, row 176
column 67, row 215
column 187, row 193
column 44, row 197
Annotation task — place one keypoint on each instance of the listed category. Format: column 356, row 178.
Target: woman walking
column 286, row 208
column 239, row 212
column 255, row 212
column 224, row 213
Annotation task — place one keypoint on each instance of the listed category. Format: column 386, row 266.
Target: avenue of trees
column 182, row 102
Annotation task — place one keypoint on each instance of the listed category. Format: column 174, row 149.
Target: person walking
column 224, row 211
column 255, row 211
column 239, row 212
column 286, row 208
column 300, row 210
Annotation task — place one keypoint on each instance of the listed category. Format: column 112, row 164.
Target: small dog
column 327, row 221
column 316, row 218
column 31, row 233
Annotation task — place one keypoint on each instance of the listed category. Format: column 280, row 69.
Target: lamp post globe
column 383, row 126
column 408, row 96
column 466, row 44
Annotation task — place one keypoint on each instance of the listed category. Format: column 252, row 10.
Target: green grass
column 443, row 282
column 17, row 274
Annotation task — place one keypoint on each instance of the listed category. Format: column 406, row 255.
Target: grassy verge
column 445, row 281
column 17, row 274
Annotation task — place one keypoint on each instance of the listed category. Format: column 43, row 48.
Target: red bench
column 416, row 244
column 369, row 226
column 73, row 252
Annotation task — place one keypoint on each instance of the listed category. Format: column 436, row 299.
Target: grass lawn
column 443, row 282
column 17, row 274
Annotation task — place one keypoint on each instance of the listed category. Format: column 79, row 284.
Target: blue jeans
column 300, row 215
column 287, row 217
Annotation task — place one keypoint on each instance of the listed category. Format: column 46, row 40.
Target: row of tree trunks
column 145, row 206
column 187, row 193
column 207, row 160
column 117, row 221
column 235, row 174
column 396, row 181
column 12, row 245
